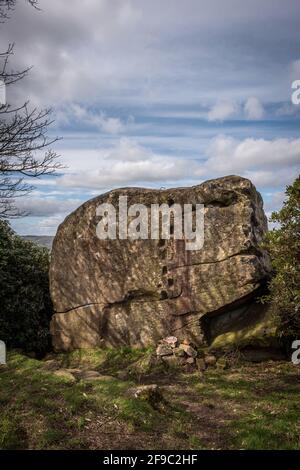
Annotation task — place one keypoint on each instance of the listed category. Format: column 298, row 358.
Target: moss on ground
column 244, row 407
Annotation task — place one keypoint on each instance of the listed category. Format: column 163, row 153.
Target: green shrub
column 283, row 244
column 25, row 304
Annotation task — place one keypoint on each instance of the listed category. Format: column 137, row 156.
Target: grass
column 245, row 407
column 109, row 360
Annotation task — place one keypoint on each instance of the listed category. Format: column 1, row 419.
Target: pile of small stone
column 173, row 351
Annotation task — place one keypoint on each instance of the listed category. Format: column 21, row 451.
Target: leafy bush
column 283, row 244
column 25, row 304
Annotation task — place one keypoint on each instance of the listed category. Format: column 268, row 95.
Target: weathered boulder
column 135, row 292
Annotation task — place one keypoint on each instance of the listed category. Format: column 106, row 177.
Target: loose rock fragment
column 172, row 361
column 210, row 360
column 164, row 350
column 179, row 352
column 189, row 350
column 171, row 340
column 190, row 360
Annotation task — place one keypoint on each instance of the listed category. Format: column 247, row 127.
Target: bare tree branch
column 23, row 136
column 6, row 6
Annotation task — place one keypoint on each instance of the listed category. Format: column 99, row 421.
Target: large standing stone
column 124, row 292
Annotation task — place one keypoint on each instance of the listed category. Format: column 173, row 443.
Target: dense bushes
column 25, row 305
column 283, row 244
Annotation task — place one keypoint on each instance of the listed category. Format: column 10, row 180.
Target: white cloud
column 45, row 206
column 141, row 51
column 129, row 14
column 254, row 109
column 287, row 110
column 266, row 162
column 130, row 163
column 222, row 110
column 226, row 109
column 49, row 224
column 129, row 150
column 226, row 153
column 267, row 178
column 295, row 70
column 274, row 201
column 159, row 58
column 94, row 119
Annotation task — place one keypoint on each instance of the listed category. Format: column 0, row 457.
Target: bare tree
column 6, row 6
column 23, row 136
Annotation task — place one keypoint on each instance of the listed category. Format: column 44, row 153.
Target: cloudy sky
column 159, row 93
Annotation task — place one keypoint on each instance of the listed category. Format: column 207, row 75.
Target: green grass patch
column 245, row 407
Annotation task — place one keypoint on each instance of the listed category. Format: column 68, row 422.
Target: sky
column 158, row 94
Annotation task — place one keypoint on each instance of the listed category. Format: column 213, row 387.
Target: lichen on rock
column 135, row 292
